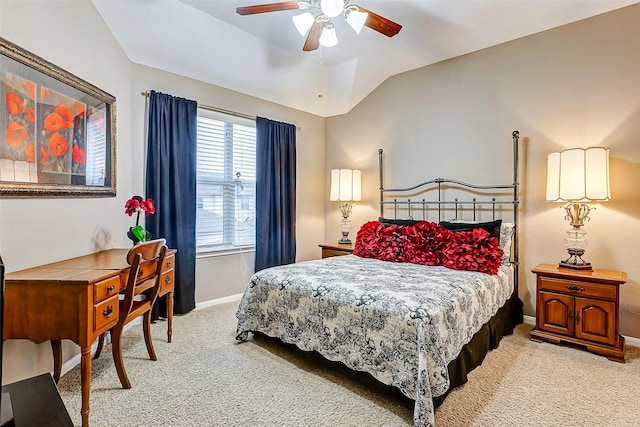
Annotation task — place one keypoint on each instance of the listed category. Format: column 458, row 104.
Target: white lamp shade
column 332, row 8
column 328, row 37
column 303, row 22
column 356, row 20
column 578, row 174
column 345, row 185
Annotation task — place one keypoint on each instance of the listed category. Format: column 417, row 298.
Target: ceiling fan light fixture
column 328, row 37
column 303, row 22
column 356, row 20
column 332, row 8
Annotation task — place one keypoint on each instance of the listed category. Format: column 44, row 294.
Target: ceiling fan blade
column 270, row 7
column 313, row 39
column 380, row 23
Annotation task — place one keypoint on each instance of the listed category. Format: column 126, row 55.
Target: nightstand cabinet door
column 596, row 320
column 555, row 313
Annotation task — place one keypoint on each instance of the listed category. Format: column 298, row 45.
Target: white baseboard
column 217, row 301
column 530, row 320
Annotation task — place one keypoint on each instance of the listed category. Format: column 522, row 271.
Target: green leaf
column 139, row 232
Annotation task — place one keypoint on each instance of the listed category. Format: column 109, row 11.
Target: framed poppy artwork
column 57, row 131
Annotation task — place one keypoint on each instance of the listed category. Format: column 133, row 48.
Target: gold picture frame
column 58, row 132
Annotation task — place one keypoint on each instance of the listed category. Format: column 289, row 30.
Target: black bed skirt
column 487, row 338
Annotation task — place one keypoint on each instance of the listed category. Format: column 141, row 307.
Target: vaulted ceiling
column 261, row 55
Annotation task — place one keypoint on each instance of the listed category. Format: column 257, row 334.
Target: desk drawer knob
column 107, row 312
column 169, row 263
column 167, row 279
column 111, row 289
column 575, row 288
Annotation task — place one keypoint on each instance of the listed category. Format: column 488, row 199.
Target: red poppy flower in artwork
column 78, row 154
column 53, row 122
column 16, row 133
column 31, row 115
column 66, row 114
column 14, row 103
column 44, row 156
column 30, row 151
column 78, row 108
column 44, row 93
column 31, row 89
column 58, row 145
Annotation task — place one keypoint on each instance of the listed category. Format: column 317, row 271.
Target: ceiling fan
column 316, row 23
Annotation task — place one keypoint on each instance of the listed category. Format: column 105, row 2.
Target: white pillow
column 506, row 241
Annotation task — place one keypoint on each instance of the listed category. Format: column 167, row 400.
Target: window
column 225, row 182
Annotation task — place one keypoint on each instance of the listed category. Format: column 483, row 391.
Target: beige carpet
column 204, row 378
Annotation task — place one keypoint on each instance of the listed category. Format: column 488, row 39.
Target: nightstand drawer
column 326, row 253
column 334, row 249
column 578, row 288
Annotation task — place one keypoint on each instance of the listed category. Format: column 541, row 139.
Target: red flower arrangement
column 430, row 244
column 137, row 204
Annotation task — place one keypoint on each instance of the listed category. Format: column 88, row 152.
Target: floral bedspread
column 402, row 323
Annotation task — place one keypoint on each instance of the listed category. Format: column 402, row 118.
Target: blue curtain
column 171, row 183
column 275, row 193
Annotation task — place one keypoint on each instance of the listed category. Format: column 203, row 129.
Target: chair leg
column 116, row 347
column 100, row 345
column 146, row 324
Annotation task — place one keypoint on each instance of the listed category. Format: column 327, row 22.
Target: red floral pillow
column 424, row 243
column 391, row 244
column 367, row 240
column 430, row 244
column 472, row 251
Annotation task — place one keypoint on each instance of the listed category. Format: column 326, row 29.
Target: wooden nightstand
column 579, row 307
column 335, row 249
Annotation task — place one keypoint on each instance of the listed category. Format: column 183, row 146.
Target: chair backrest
column 146, row 261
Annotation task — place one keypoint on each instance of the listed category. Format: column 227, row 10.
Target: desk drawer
column 578, row 288
column 169, row 263
column 166, row 283
column 106, row 289
column 105, row 314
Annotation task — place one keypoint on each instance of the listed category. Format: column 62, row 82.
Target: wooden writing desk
column 75, row 299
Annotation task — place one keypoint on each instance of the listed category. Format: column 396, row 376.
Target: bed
column 418, row 327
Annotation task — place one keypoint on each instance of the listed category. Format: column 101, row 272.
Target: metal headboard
column 492, row 198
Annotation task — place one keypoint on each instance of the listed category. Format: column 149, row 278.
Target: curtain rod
column 215, row 109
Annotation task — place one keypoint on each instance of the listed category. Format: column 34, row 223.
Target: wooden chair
column 143, row 285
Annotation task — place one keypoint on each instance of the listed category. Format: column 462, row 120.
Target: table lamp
column 578, row 176
column 345, row 187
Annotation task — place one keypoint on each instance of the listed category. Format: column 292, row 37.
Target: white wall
column 37, row 231
column 72, row 35
column 573, row 86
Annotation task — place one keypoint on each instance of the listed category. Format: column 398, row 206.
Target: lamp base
column 344, row 240
column 575, row 261
column 585, row 267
